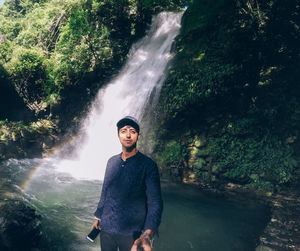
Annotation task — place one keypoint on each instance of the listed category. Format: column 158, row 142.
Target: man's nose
column 128, row 134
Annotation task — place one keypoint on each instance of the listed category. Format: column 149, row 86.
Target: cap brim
column 128, row 122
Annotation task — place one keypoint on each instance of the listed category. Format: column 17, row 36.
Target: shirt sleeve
column 99, row 210
column 154, row 200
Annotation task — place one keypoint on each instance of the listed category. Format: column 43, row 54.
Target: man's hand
column 95, row 224
column 142, row 242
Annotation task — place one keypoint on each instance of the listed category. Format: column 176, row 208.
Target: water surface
column 192, row 219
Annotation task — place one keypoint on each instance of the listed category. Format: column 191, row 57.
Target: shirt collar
column 130, row 158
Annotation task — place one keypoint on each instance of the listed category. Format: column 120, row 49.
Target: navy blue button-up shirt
column 131, row 197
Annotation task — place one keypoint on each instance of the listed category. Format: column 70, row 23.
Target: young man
column 130, row 206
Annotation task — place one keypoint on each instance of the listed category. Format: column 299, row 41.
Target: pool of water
column 192, row 219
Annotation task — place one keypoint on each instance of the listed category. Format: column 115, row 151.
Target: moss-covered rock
column 18, row 140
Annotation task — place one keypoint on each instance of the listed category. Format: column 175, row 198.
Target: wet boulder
column 20, row 227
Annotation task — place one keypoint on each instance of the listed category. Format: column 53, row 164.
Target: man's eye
column 133, row 132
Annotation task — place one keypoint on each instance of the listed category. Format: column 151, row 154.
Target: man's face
column 128, row 137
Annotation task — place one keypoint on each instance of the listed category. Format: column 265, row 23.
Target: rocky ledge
column 27, row 141
column 283, row 230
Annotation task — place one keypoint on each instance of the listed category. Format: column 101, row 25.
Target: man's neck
column 127, row 153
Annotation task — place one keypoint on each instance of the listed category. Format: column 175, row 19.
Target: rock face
column 283, row 230
column 20, row 227
column 20, row 141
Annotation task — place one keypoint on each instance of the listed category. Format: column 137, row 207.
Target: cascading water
column 127, row 94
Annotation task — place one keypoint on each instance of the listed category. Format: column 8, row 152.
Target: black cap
column 129, row 120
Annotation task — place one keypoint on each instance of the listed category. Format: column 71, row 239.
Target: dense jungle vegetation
column 53, row 52
column 231, row 103
column 229, row 109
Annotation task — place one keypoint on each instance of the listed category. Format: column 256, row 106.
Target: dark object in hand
column 93, row 234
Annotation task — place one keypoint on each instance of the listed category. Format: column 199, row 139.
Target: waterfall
column 127, row 94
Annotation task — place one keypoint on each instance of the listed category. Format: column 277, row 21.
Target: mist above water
column 138, row 83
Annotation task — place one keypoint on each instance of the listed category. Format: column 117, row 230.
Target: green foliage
column 251, row 154
column 69, row 46
column 235, row 77
column 203, row 67
column 11, row 131
column 28, row 71
column 200, row 13
column 20, row 7
column 198, row 166
column 20, row 140
column 61, row 43
column 171, row 155
column 84, row 45
column 159, row 5
column 29, row 36
column 5, row 52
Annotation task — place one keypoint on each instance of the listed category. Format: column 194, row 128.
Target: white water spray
column 127, row 94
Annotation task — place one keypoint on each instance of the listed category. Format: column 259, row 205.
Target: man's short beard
column 129, row 149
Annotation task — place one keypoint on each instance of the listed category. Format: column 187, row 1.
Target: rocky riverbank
column 282, row 232
column 20, row 223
